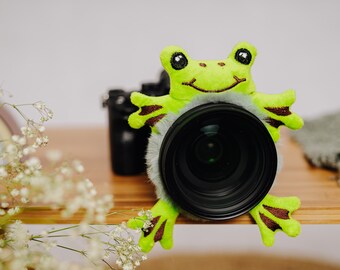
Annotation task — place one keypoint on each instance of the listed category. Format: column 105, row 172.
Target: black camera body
column 128, row 145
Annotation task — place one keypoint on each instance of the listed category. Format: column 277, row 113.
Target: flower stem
column 104, row 261
column 63, row 229
column 50, row 236
column 54, row 231
column 64, row 247
column 17, row 109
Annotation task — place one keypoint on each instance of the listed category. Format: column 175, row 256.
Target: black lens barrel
column 217, row 161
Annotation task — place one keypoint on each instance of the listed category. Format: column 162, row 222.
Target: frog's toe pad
column 282, row 222
column 274, row 214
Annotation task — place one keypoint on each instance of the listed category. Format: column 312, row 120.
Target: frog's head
column 189, row 77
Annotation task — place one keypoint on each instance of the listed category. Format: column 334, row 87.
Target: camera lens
column 211, row 157
column 217, row 161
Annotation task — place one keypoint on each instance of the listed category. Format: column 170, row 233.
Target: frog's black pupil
column 179, row 61
column 243, row 56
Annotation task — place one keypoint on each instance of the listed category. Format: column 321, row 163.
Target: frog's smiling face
column 189, row 77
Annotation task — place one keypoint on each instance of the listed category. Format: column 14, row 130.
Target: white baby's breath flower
column 22, row 141
column 88, row 183
column 27, row 131
column 28, row 150
column 19, row 177
column 24, row 130
column 66, row 171
column 15, row 192
column 54, row 155
column 24, row 200
column 100, row 218
column 78, row 166
column 63, row 188
column 49, row 244
column 33, row 164
column 84, row 227
column 11, row 149
column 15, row 138
column 19, row 139
column 13, row 211
column 39, row 105
column 3, row 172
column 46, row 113
column 4, row 204
column 93, row 192
column 40, row 141
column 41, row 128
column 18, row 235
column 128, row 266
column 107, row 198
column 24, row 191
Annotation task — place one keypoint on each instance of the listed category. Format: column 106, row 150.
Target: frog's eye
column 178, row 61
column 243, row 56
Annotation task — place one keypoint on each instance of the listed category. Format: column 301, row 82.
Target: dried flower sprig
column 23, row 180
column 106, row 241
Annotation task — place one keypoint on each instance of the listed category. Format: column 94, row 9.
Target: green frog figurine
column 190, row 79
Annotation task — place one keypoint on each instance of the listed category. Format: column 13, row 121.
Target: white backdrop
column 69, row 52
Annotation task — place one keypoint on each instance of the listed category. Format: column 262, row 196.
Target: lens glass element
column 217, row 161
column 211, row 153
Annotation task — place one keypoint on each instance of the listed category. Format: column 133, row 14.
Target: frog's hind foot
column 274, row 214
column 160, row 228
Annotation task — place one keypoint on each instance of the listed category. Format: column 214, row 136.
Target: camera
column 215, row 160
column 211, row 153
column 128, row 145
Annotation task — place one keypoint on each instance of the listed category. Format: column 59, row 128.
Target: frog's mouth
column 237, row 81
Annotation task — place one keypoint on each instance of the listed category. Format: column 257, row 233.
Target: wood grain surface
column 317, row 189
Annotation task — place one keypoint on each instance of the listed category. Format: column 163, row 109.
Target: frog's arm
column 273, row 214
column 164, row 217
column 150, row 110
column 277, row 109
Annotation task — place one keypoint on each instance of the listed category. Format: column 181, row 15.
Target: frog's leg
column 161, row 227
column 150, row 110
column 277, row 109
column 273, row 214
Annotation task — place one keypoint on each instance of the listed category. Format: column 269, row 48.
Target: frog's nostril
column 202, row 64
column 221, row 64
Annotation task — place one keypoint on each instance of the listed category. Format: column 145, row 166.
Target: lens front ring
column 217, row 161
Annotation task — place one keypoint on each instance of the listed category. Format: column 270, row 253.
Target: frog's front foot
column 273, row 214
column 160, row 228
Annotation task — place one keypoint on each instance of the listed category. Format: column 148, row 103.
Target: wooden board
column 317, row 189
